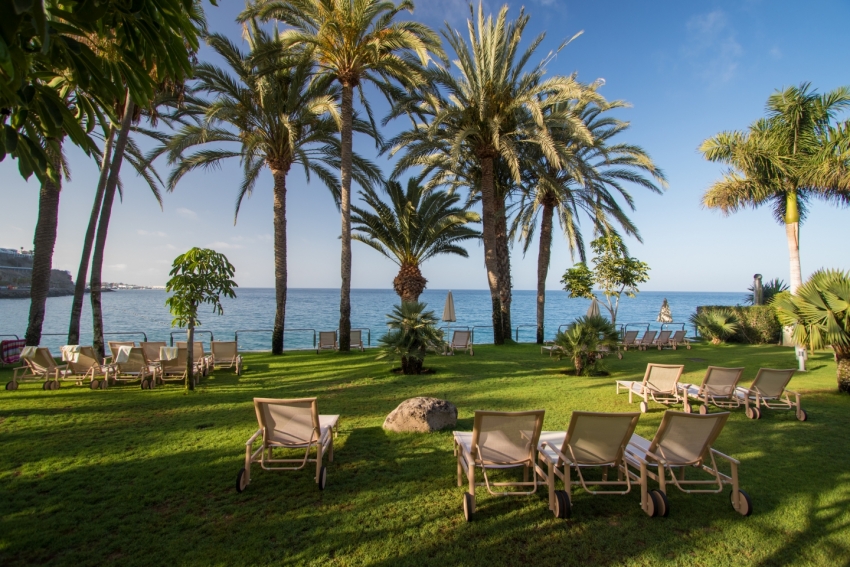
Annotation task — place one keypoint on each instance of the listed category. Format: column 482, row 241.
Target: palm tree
column 785, row 160
column 588, row 183
column 416, row 225
column 353, row 42
column 278, row 114
column 495, row 108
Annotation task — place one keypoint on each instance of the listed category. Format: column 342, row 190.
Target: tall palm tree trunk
column 279, row 258
column 347, row 111
column 409, row 283
column 792, row 233
column 842, row 362
column 88, row 242
column 488, row 221
column 503, row 256
column 43, row 244
column 103, row 228
column 543, row 257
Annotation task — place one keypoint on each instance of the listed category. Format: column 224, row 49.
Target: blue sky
column 688, row 69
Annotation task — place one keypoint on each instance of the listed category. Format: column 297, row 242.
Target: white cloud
column 712, row 48
column 151, row 233
column 118, row 267
column 224, row 245
column 187, row 213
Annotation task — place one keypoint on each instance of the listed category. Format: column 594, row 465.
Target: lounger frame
column 647, row 390
column 776, row 398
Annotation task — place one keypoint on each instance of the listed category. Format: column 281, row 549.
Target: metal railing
column 184, row 331
column 127, row 333
column 236, row 334
column 472, row 336
column 516, row 331
column 16, row 336
column 664, row 326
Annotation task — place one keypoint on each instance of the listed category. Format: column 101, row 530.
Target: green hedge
column 759, row 324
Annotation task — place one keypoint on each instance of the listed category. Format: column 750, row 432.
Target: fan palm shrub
column 717, row 325
column 277, row 113
column 820, row 314
column 414, row 226
column 585, row 341
column 796, row 154
column 411, row 331
column 353, row 42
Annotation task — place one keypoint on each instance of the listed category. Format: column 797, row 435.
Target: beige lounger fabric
column 770, row 390
column 660, row 383
column 327, row 341
column 225, row 354
column 717, row 389
column 461, row 340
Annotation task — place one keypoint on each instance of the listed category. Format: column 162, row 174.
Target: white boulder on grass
column 421, row 415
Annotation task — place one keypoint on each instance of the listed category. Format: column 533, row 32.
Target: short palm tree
column 589, row 182
column 820, row 314
column 785, row 160
column 277, row 113
column 494, row 108
column 353, row 42
column 412, row 330
column 414, row 226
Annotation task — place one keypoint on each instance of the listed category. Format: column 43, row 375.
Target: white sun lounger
column 769, row 390
column 660, row 383
column 717, row 389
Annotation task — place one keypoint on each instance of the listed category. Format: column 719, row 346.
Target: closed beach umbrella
column 665, row 315
column 593, row 310
column 449, row 313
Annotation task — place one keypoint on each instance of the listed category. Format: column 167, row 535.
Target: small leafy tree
column 586, row 341
column 614, row 272
column 199, row 276
column 412, row 329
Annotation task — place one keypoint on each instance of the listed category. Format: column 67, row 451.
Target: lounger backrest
column 113, row 346
column 598, row 438
column 506, row 438
column 151, row 349
column 630, row 337
column 685, row 438
column 197, row 348
column 663, row 377
column 771, row 383
column 460, row 338
column 664, row 336
column 648, row 337
column 327, row 338
column 177, row 363
column 135, row 361
column 86, row 360
column 678, row 336
column 224, row 350
column 291, row 422
column 721, row 381
column 356, row 337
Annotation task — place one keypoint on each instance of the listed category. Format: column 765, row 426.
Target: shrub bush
column 585, row 342
column 758, row 324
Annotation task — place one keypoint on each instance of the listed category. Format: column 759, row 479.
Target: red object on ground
column 10, row 351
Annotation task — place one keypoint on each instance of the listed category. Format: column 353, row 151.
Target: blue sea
column 251, row 315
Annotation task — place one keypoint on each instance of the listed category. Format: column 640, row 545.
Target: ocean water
column 251, row 314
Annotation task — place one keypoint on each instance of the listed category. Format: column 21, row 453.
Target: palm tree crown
column 414, row 226
column 785, row 160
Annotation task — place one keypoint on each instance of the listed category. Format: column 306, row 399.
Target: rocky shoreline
column 25, row 293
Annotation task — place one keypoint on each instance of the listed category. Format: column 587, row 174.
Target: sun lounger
column 202, row 359
column 38, row 366
column 10, row 351
column 551, row 347
column 498, row 440
column 129, row 365
column 113, row 349
column 660, row 382
column 683, row 443
column 151, row 350
column 84, row 364
column 593, row 440
column 646, row 340
column 629, row 339
column 461, row 340
column 663, row 339
column 327, row 341
column 289, row 424
column 225, row 354
column 356, row 340
column 679, row 338
column 717, row 389
column 173, row 369
column 769, row 390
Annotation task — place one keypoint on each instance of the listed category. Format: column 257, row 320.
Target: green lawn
column 134, row 477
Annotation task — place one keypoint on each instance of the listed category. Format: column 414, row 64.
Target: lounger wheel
column 146, row 385
column 802, row 415
column 703, row 410
column 467, row 506
column 643, row 407
column 11, row 386
column 753, row 413
column 662, row 505
column 745, row 504
column 241, row 480
column 323, row 478
column 563, row 508
column 95, row 385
